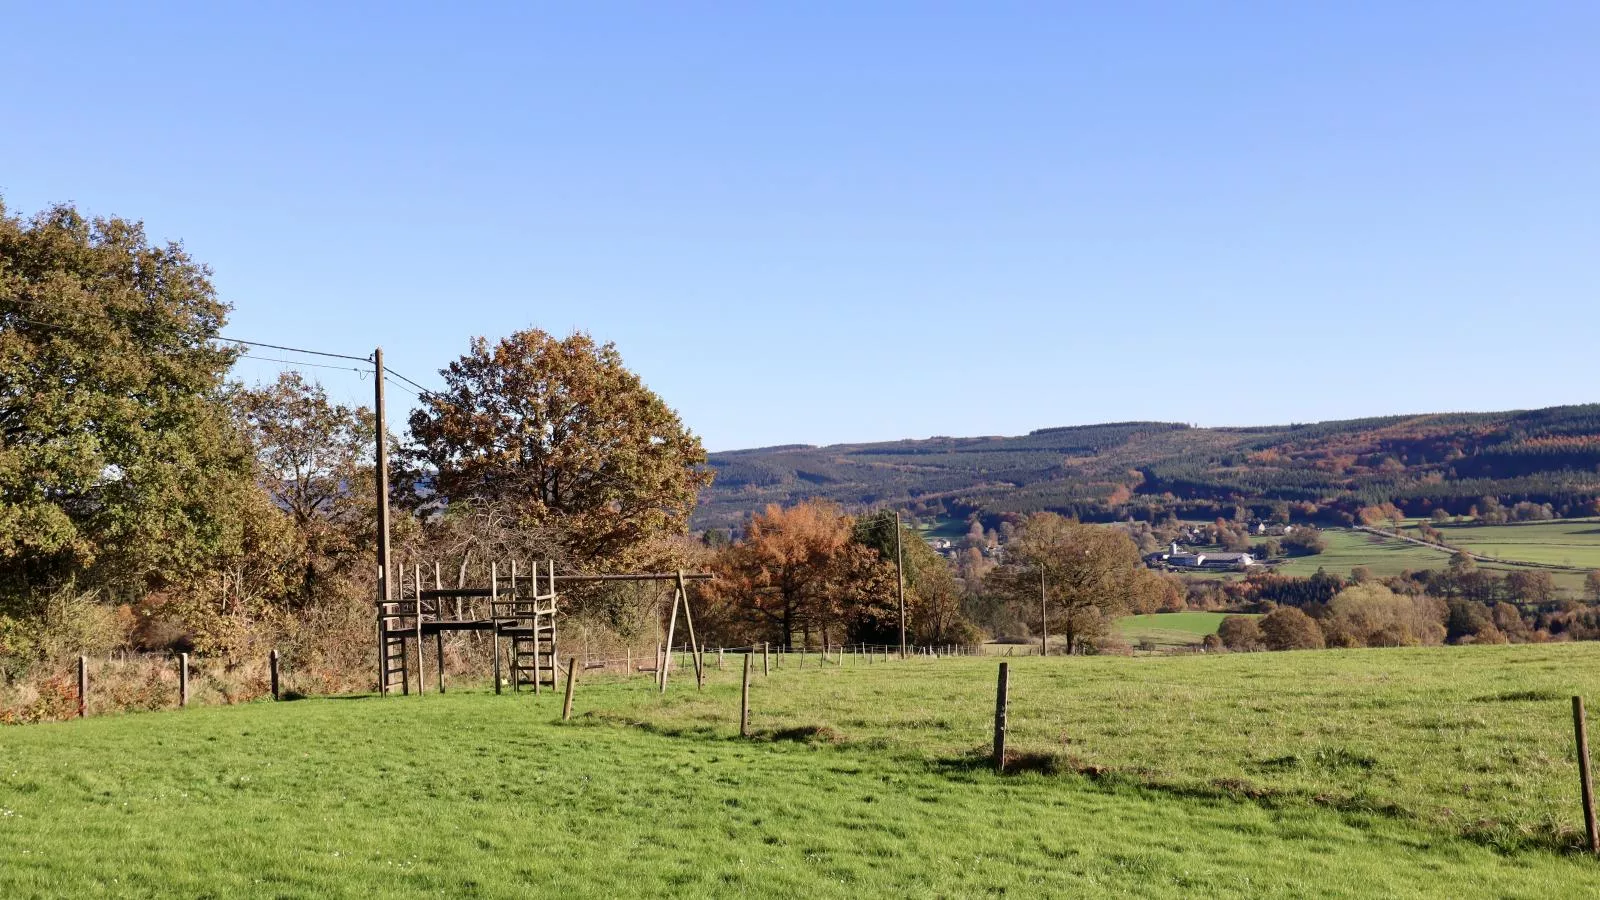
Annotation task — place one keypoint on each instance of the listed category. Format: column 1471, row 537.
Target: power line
column 419, row 387
column 231, row 340
column 299, row 362
column 399, row 388
column 234, row 340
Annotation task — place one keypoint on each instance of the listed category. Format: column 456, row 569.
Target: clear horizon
column 846, row 225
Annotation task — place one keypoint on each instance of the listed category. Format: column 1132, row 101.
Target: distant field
column 1180, row 629
column 950, row 529
column 1384, row 556
column 1438, row 772
column 1568, row 543
column 1387, row 557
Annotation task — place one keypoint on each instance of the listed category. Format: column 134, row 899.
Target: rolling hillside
column 1325, row 470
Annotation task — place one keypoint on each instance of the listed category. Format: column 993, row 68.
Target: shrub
column 1240, row 633
column 1288, row 628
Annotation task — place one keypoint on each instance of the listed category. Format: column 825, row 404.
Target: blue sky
column 834, row 222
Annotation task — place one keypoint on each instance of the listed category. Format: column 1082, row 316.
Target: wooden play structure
column 519, row 607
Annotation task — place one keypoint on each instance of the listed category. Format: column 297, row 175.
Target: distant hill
column 1325, row 470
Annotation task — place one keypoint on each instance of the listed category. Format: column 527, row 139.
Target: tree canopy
column 559, row 431
column 118, row 458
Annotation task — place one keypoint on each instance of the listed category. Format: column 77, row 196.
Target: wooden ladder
column 525, row 612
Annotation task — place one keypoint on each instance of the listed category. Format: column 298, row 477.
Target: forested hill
column 1326, row 470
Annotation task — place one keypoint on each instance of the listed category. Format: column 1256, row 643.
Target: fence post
column 273, row 660
column 83, row 687
column 744, row 700
column 720, row 661
column 183, row 679
column 566, row 705
column 1581, row 731
column 766, row 650
column 1002, row 699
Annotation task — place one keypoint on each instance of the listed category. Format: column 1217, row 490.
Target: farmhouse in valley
column 1182, row 559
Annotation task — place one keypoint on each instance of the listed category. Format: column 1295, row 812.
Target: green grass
column 1179, row 629
column 1347, row 549
column 1574, row 543
column 950, row 529
column 1438, row 772
column 1387, row 557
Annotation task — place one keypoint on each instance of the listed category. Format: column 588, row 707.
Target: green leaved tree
column 120, row 466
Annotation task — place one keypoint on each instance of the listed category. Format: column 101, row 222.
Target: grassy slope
column 1170, row 629
column 1365, row 768
column 1573, row 542
column 1387, row 557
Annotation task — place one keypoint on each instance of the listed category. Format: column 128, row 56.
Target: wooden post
column 1001, row 700
column 566, row 705
column 494, row 622
column 697, row 652
column 1044, row 618
column 744, row 700
column 438, row 652
column 766, row 669
column 630, row 659
column 183, row 679
column 83, row 687
column 381, row 479
column 900, row 577
column 721, row 663
column 672, row 626
column 1582, row 732
column 272, row 663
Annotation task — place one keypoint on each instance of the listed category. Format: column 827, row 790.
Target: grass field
column 1387, row 557
column 1166, row 630
column 1437, row 772
column 1573, row 543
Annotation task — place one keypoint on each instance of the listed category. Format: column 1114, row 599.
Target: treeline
column 1461, row 604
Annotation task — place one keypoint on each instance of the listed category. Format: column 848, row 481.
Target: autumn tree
column 560, row 432
column 1287, row 628
column 1090, row 575
column 799, row 571
column 314, row 459
column 119, row 462
column 934, row 592
column 1531, row 586
column 1303, row 540
column 1240, row 633
column 1371, row 615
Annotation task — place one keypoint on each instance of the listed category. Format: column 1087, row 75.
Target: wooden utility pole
column 1044, row 618
column 381, row 464
column 900, row 574
column 1581, row 730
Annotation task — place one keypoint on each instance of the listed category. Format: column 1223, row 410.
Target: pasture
column 1169, row 630
column 1574, row 543
column 1427, row 772
column 1387, row 557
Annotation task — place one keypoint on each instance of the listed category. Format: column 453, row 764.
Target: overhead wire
column 222, row 338
column 301, row 362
